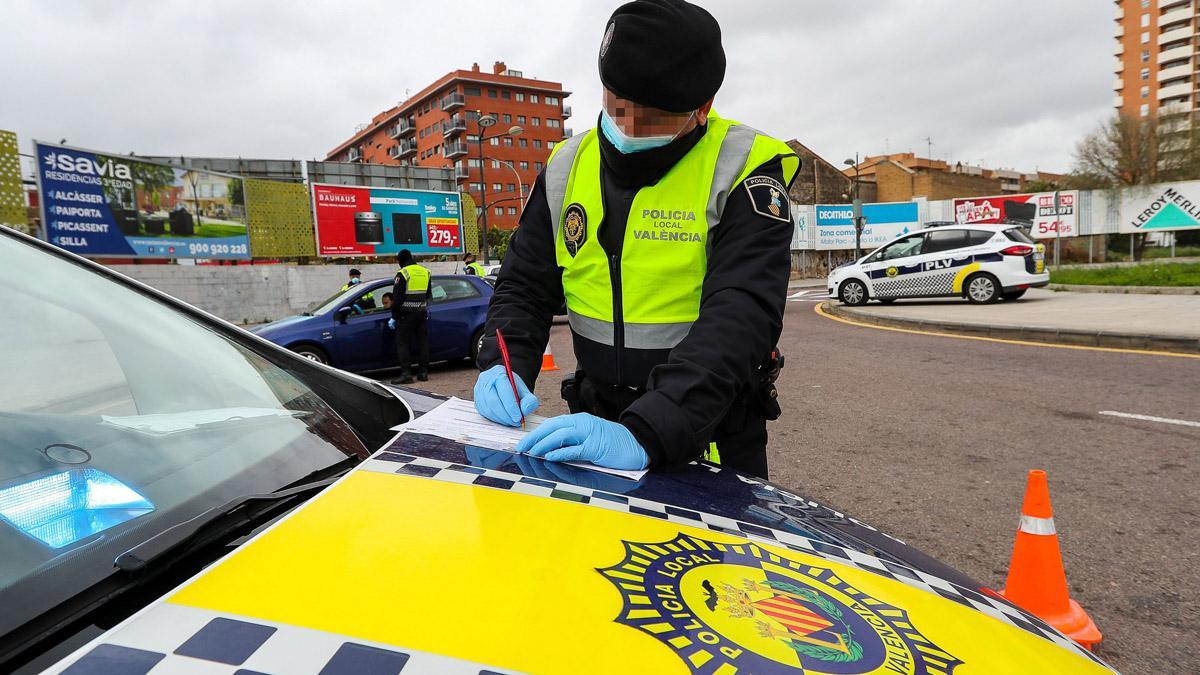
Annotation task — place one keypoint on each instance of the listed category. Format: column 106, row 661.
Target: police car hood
column 435, row 557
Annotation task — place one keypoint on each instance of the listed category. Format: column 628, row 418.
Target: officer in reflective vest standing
column 667, row 231
column 410, row 316
column 472, row 267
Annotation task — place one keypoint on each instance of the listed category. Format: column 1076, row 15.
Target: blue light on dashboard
column 61, row 508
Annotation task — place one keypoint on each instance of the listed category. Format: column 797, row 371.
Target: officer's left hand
column 585, row 438
column 392, row 324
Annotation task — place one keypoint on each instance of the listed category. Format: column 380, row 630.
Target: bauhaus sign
column 1162, row 207
column 360, row 220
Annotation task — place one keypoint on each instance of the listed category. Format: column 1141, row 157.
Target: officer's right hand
column 494, row 397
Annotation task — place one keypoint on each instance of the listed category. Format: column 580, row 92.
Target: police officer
column 667, row 230
column 410, row 316
column 355, row 279
column 472, row 267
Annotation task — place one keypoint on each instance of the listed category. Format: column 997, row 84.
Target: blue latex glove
column 392, row 324
column 585, row 438
column 494, row 397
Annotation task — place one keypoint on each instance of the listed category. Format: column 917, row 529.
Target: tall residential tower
column 1157, row 59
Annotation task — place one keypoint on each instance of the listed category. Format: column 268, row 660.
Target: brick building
column 1156, row 62
column 818, row 181
column 437, row 127
column 903, row 176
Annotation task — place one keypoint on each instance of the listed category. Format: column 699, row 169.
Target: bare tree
column 1127, row 151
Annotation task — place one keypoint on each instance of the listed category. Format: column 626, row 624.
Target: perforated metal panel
column 280, row 215
column 470, row 224
column 12, row 195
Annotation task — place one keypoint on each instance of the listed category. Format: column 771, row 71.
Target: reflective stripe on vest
column 664, row 257
column 476, row 269
column 416, row 287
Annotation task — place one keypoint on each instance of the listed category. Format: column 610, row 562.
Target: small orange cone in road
column 1036, row 579
column 548, row 359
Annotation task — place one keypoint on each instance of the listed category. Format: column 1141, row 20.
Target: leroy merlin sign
column 1169, row 207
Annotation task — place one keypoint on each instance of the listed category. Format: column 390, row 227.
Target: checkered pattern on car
column 919, row 283
column 177, row 638
column 995, row 607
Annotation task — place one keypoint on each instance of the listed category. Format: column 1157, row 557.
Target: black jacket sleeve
column 399, row 288
column 528, row 291
column 741, row 317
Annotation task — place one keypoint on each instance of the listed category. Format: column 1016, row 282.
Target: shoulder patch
column 768, row 197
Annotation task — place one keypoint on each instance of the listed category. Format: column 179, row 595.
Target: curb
column 1061, row 336
column 1126, row 290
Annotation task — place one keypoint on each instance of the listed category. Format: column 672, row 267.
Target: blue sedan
column 349, row 330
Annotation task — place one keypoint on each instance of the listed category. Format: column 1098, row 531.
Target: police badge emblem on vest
column 574, row 228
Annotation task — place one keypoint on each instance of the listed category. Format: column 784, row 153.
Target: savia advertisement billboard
column 885, row 222
column 1035, row 211
column 355, row 220
column 1161, row 207
column 99, row 205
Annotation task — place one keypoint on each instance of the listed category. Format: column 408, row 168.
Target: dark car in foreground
column 180, row 495
column 349, row 329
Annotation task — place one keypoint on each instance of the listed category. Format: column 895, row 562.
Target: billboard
column 1035, row 211
column 100, row 205
column 353, row 220
column 885, row 222
column 1161, row 207
column 12, row 192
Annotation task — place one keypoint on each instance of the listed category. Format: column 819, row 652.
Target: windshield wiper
column 210, row 525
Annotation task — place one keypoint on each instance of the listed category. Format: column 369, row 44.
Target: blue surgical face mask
column 626, row 144
column 355, row 280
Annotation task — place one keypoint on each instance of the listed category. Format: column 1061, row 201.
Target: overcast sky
column 1011, row 83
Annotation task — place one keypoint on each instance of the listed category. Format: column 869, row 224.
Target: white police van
column 982, row 263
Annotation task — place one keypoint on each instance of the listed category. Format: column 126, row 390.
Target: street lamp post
column 858, row 220
column 484, row 122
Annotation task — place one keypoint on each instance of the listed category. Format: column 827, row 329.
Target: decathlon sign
column 1165, row 207
column 885, row 222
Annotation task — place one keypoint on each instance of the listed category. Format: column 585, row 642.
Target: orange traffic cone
column 1036, row 579
column 548, row 359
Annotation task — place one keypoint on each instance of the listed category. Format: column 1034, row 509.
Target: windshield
column 120, row 417
column 327, row 304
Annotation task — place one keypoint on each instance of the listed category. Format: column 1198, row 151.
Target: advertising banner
column 12, row 192
column 1161, row 207
column 1034, row 211
column 885, row 222
column 353, row 220
column 108, row 205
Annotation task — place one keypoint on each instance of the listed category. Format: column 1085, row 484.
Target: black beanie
column 662, row 53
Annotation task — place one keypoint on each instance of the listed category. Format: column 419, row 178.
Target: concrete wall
column 258, row 293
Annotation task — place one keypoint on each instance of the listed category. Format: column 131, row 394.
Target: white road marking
column 808, row 296
column 1150, row 418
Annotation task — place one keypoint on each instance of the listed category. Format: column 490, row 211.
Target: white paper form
column 457, row 420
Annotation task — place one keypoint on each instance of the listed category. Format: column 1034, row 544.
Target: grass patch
column 209, row 227
column 1148, row 274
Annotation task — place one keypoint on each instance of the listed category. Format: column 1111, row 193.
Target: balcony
column 1119, row 67
column 568, row 132
column 461, row 172
column 1175, row 91
column 402, row 127
column 1175, row 15
column 407, row 147
column 1119, row 49
column 1175, row 54
column 1118, row 101
column 458, row 124
column 566, row 112
column 1120, row 13
column 453, row 101
column 1175, row 35
column 1118, row 84
column 1174, row 72
column 455, row 149
column 353, row 155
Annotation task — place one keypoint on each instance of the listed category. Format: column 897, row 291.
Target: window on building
column 1145, row 92
column 491, row 93
column 507, row 118
column 471, row 91
column 1144, row 110
column 497, row 187
column 1145, row 73
column 1145, row 38
column 478, row 187
column 537, row 143
column 520, row 119
column 553, row 123
column 508, row 141
column 472, row 138
column 511, row 187
column 473, row 163
column 473, row 115
column 537, row 121
column 550, row 145
column 552, row 100
column 533, row 98
column 524, row 166
column 524, row 189
column 506, row 95
column 524, row 143
column 499, row 210
column 1145, row 56
column 520, row 96
column 495, row 163
column 1145, row 4
column 493, row 141
column 537, row 166
column 512, row 210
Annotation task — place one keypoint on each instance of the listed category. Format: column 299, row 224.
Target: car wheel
column 476, row 345
column 886, row 301
column 853, row 292
column 312, row 353
column 1013, row 295
column 982, row 289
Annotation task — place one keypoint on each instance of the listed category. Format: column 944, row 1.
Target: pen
column 508, row 371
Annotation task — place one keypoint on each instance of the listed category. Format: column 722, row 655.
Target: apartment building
column 1156, row 57
column 439, row 127
column 899, row 177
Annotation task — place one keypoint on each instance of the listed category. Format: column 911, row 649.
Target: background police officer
column 366, row 301
column 472, row 267
column 410, row 316
column 675, row 290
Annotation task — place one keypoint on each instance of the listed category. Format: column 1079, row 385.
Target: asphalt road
column 930, row 439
